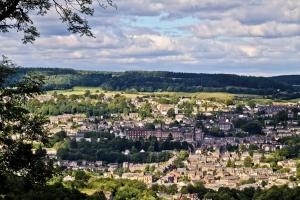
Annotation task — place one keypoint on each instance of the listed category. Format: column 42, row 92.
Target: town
column 232, row 142
column 149, row 100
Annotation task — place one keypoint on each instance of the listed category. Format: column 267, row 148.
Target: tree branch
column 11, row 8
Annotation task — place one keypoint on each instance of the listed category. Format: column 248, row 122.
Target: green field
column 202, row 95
column 93, row 90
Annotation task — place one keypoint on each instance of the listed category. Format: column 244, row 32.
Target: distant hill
column 57, row 78
column 288, row 79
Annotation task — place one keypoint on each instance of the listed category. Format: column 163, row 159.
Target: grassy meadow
column 201, row 95
column 222, row 96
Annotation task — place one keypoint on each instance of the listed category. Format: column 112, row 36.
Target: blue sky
column 255, row 37
column 171, row 28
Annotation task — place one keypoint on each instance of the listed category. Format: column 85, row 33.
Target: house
column 179, row 117
column 172, row 177
column 135, row 134
column 112, row 167
column 133, row 115
column 68, row 178
column 146, row 178
column 164, row 108
column 225, row 125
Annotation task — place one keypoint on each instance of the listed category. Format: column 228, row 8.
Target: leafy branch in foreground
column 15, row 14
column 19, row 130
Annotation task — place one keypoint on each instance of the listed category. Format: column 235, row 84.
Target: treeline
column 111, row 149
column 160, row 81
column 190, row 82
column 288, row 79
column 274, row 193
column 60, row 78
column 121, row 189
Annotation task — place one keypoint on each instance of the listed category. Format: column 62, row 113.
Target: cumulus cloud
column 233, row 28
column 231, row 36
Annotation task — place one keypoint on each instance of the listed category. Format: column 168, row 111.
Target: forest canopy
column 143, row 81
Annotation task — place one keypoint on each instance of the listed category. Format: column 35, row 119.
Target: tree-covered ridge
column 145, row 81
column 288, row 79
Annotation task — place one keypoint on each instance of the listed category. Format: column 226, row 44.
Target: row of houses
column 195, row 135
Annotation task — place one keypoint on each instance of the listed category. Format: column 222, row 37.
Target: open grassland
column 219, row 96
column 202, row 95
column 295, row 100
column 222, row 96
column 93, row 90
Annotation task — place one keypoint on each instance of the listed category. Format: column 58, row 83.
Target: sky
column 252, row 37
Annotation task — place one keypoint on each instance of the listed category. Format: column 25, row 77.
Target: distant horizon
column 145, row 70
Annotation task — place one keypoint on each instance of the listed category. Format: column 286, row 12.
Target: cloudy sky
column 257, row 37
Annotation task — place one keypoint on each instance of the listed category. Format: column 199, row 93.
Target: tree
column 264, row 184
column 187, row 108
column 19, row 129
column 252, row 127
column 80, row 175
column 87, row 93
column 281, row 116
column 20, row 164
column 242, row 147
column 171, row 113
column 251, row 104
column 145, row 110
column 183, row 154
column 239, row 108
column 98, row 196
column 230, row 163
column 15, row 14
column 298, row 171
column 248, row 162
column 229, row 102
column 150, row 126
column 147, row 168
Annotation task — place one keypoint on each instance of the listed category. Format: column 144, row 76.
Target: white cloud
column 232, row 28
column 256, row 36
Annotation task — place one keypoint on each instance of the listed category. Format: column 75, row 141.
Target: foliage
column 145, row 110
column 171, row 113
column 216, row 132
column 172, row 189
column 19, row 129
column 57, row 137
column 248, row 162
column 289, row 151
column 150, row 126
column 252, row 127
column 183, row 155
column 274, row 193
column 49, row 192
column 123, row 189
column 161, row 81
column 15, row 14
column 198, row 188
column 230, row 163
column 111, row 148
column 72, row 105
column 249, row 181
column 232, row 148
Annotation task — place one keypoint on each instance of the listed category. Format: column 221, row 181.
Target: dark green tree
column 19, row 129
column 171, row 113
column 248, row 162
column 252, row 127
